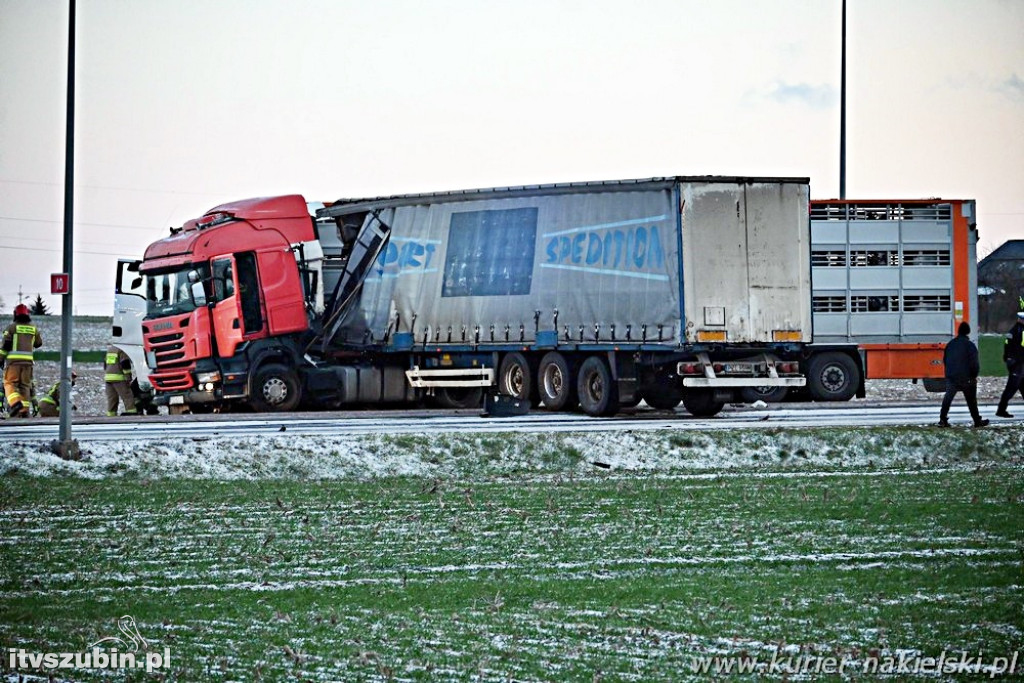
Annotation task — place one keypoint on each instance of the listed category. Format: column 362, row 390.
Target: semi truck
column 596, row 295
column 686, row 289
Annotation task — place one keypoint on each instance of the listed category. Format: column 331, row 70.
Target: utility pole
column 842, row 115
column 66, row 447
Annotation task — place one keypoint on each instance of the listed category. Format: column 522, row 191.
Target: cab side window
column 249, row 290
column 223, row 279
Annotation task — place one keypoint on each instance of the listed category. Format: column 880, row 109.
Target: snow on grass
column 665, row 452
column 516, row 575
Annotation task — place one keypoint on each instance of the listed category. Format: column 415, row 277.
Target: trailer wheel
column 662, row 394
column 599, row 396
column 556, row 383
column 766, row 394
column 459, row 397
column 275, row 389
column 514, row 377
column 832, row 377
column 702, row 403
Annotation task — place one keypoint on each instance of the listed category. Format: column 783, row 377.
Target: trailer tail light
column 788, row 368
column 718, row 367
column 690, row 369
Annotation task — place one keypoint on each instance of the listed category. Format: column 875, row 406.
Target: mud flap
column 500, row 405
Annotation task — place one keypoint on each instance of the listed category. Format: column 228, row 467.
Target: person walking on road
column 1013, row 356
column 20, row 340
column 962, row 367
column 117, row 370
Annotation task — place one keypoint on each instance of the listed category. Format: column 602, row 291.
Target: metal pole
column 842, row 116
column 67, row 447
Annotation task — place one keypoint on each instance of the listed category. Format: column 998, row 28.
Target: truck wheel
column 555, row 382
column 662, row 394
column 597, row 391
column 832, row 377
column 459, row 397
column 766, row 394
column 514, row 378
column 276, row 389
column 702, row 403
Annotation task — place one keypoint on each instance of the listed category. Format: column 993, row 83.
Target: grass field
column 990, row 352
column 518, row 576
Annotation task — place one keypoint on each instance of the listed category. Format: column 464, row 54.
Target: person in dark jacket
column 962, row 367
column 1013, row 356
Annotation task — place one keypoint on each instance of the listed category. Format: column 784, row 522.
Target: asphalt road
column 422, row 421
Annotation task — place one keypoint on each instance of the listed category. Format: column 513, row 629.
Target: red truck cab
column 216, row 288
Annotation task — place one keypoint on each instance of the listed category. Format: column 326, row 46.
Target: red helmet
column 21, row 309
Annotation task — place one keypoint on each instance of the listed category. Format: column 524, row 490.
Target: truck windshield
column 170, row 293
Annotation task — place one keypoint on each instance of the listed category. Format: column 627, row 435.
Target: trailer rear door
column 746, row 262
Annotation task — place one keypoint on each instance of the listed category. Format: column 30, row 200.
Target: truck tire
column 514, row 377
column 459, row 397
column 832, row 377
column 556, row 383
column 702, row 403
column 662, row 394
column 599, row 395
column 766, row 394
column 275, row 389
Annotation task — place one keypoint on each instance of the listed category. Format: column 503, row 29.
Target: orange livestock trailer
column 894, row 277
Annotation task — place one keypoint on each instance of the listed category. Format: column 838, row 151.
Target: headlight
column 208, row 377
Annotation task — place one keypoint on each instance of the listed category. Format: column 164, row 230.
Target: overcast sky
column 185, row 104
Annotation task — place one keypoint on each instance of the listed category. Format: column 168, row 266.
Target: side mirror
column 198, row 293
column 137, row 282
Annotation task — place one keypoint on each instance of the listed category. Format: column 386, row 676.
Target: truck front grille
column 169, row 348
column 172, row 379
column 173, row 371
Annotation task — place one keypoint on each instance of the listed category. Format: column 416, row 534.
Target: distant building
column 1000, row 285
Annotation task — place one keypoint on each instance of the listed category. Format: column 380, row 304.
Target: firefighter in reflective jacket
column 20, row 338
column 118, row 376
column 1013, row 356
column 49, row 405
